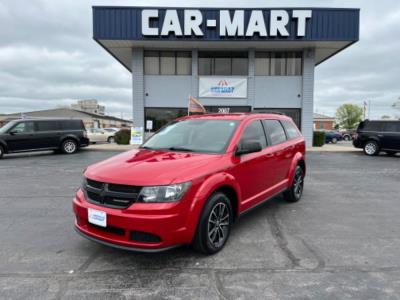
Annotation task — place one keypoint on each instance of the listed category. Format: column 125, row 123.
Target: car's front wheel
column 294, row 193
column 214, row 225
column 371, row 148
column 110, row 139
column 334, row 141
column 69, row 146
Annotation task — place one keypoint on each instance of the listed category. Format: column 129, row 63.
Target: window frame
column 286, row 56
column 267, row 143
column 268, row 136
column 231, row 55
column 176, row 54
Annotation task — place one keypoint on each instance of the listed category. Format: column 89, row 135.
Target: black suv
column 65, row 135
column 376, row 136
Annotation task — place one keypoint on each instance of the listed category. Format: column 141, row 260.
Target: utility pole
column 369, row 109
column 365, row 109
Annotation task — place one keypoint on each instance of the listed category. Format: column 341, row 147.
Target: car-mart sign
column 228, row 23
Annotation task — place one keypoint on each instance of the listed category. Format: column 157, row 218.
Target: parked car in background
column 65, row 135
column 96, row 135
column 376, row 136
column 332, row 137
column 348, row 135
column 112, row 129
column 190, row 181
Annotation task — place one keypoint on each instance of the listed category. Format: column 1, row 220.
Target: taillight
column 85, row 134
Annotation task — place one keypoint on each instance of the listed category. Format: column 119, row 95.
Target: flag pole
column 188, row 105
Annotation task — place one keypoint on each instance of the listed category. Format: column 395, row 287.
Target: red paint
column 254, row 177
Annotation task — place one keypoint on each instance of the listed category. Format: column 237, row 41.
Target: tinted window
column 391, row 126
column 223, row 63
column 162, row 116
column 72, row 125
column 24, row 127
column 291, row 130
column 254, row 133
column 47, row 125
column 209, row 136
column 275, row 131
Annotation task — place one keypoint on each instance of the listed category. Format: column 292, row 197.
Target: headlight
column 163, row 193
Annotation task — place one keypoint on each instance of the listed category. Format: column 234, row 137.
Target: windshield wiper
column 180, row 149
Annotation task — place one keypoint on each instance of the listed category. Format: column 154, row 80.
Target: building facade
column 322, row 122
column 90, row 106
column 231, row 60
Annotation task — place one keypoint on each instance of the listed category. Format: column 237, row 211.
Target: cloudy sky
column 48, row 58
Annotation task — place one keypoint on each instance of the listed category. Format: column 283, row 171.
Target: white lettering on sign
column 231, row 23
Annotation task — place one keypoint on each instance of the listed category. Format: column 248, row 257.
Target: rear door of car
column 280, row 149
column 48, row 133
column 391, row 135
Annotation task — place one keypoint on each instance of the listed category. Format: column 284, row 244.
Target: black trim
column 132, row 249
column 250, row 209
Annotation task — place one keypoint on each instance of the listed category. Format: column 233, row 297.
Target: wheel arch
column 68, row 137
column 298, row 160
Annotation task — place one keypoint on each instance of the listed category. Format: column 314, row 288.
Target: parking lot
column 341, row 241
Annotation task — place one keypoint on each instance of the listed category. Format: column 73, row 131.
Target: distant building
column 90, row 106
column 89, row 119
column 322, row 122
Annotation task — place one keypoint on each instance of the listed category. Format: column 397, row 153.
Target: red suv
column 190, row 181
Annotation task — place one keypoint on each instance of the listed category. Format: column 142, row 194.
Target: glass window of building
column 167, row 63
column 278, row 64
column 151, row 63
column 223, row 63
column 294, row 64
column 262, row 63
column 161, row 116
column 183, row 63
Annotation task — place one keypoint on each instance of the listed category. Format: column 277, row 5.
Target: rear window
column 275, row 131
column 72, row 125
column 370, row 126
column 391, row 126
column 47, row 125
column 291, row 130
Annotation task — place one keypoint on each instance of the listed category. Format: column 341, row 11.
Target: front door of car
column 253, row 170
column 22, row 137
column 391, row 135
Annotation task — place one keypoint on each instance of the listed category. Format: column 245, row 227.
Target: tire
column 334, row 141
column 294, row 193
column 69, row 146
column 1, row 151
column 347, row 138
column 111, row 139
column 217, row 213
column 371, row 148
column 391, row 153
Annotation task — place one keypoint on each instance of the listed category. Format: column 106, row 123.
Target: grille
column 110, row 195
column 139, row 236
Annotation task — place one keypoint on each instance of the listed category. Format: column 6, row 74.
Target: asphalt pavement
column 341, row 241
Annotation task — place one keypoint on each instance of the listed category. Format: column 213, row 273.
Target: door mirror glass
column 248, row 147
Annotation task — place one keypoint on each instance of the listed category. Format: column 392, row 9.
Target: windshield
column 209, row 136
column 6, row 127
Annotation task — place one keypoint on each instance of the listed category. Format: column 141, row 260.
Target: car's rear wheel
column 69, row 146
column 214, row 225
column 294, row 193
column 1, row 151
column 371, row 148
column 111, row 139
column 347, row 138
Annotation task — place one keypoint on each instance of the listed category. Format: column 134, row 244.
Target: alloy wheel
column 69, row 147
column 218, row 225
column 370, row 148
column 298, row 183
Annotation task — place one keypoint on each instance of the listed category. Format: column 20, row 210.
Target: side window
column 291, row 130
column 392, row 127
column 24, row 127
column 47, row 125
column 275, row 131
column 254, row 132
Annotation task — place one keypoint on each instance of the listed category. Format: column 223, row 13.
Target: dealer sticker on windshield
column 97, row 217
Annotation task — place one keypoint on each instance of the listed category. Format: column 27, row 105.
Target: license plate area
column 97, row 217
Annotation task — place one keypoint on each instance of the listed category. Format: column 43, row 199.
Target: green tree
column 349, row 115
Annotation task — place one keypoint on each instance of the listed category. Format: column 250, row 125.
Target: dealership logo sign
column 220, row 87
column 228, row 24
column 223, row 87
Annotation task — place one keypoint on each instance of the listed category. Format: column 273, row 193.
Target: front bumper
column 166, row 221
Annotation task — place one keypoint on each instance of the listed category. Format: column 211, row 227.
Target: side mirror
column 248, row 147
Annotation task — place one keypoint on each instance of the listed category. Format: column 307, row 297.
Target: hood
column 147, row 167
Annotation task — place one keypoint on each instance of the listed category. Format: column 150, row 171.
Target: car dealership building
column 231, row 60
